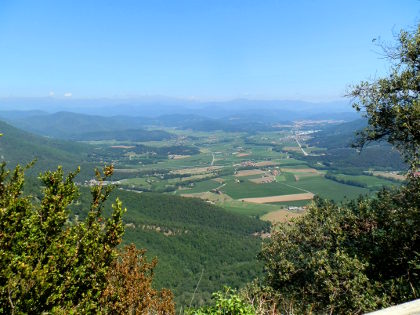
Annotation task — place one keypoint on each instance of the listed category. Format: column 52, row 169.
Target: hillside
column 190, row 237
column 136, row 135
column 21, row 147
column 338, row 135
column 58, row 124
column 337, row 140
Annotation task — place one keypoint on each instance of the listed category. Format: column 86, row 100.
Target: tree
column 49, row 261
column 129, row 287
column 361, row 255
column 392, row 104
column 348, row 258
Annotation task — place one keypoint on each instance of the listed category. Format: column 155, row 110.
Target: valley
column 251, row 174
column 203, row 201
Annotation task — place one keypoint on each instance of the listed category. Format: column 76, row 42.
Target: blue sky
column 214, row 49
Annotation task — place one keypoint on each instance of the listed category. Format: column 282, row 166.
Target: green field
column 371, row 182
column 235, row 151
column 330, row 189
column 199, row 187
column 250, row 209
column 247, row 189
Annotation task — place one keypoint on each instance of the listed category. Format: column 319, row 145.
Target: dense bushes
column 227, row 302
column 49, row 263
column 349, row 258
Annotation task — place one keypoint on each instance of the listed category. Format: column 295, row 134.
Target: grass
column 289, row 177
column 281, row 178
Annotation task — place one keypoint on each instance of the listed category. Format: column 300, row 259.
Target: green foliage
column 20, row 147
column 349, row 258
column 190, row 235
column 362, row 254
column 226, row 302
column 392, row 104
column 48, row 263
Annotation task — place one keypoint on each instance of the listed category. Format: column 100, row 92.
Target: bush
column 348, row 258
column 52, row 264
column 227, row 302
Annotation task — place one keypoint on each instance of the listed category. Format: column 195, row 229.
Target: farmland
column 246, row 173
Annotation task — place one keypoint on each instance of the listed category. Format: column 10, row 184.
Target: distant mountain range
column 88, row 118
column 21, row 147
column 158, row 106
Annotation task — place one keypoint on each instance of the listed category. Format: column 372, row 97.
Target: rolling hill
column 21, row 147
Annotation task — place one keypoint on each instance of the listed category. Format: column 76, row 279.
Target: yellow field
column 179, row 157
column 194, row 177
column 300, row 170
column 122, row 146
column 125, row 170
column 249, row 173
column 280, row 216
column 297, row 149
column 389, row 175
column 212, row 197
column 196, row 170
column 281, row 198
column 263, row 180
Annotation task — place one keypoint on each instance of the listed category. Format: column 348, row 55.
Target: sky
column 195, row 49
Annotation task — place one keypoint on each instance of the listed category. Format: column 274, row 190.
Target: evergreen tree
column 52, row 263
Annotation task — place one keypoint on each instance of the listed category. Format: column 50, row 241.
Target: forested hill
column 339, row 154
column 338, row 136
column 21, row 147
column 190, row 237
column 137, row 135
column 58, row 124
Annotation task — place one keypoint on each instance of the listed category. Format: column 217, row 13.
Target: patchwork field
column 249, row 174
